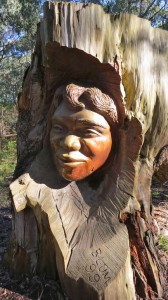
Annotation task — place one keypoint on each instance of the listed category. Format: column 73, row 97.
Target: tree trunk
column 96, row 235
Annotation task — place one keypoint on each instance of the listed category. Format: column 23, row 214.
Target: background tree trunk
column 74, row 40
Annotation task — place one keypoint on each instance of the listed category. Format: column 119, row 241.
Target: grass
column 155, row 193
column 8, row 160
column 7, row 166
column 163, row 242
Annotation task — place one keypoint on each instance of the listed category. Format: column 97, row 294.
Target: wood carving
column 88, row 138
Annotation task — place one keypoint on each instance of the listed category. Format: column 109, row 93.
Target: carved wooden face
column 80, row 142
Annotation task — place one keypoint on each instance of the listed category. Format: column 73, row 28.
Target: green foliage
column 11, row 73
column 7, row 166
column 155, row 194
column 8, row 160
column 8, row 117
column 18, row 25
column 154, row 10
column 163, row 242
column 18, row 21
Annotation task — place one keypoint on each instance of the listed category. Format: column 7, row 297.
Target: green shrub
column 163, row 242
column 155, row 193
column 7, row 160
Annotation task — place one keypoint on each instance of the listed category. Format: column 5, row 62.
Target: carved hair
column 79, row 96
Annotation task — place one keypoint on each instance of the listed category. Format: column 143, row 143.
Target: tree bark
column 105, row 248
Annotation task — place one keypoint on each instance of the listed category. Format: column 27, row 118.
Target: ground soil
column 40, row 288
column 160, row 210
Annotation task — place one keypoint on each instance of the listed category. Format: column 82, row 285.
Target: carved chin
column 74, row 175
column 75, row 171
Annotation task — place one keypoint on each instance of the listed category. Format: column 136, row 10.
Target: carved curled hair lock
column 79, row 96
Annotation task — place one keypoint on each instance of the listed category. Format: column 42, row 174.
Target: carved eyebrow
column 56, row 119
column 81, row 121
column 89, row 122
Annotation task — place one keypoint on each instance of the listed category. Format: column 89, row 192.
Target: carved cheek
column 100, row 148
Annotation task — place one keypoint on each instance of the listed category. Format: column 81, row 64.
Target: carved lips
column 72, row 159
column 80, row 142
column 74, row 156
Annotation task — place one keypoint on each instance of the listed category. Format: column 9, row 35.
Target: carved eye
column 58, row 128
column 88, row 132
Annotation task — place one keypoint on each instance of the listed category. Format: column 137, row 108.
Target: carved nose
column 71, row 142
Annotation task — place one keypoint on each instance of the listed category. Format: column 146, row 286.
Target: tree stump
column 93, row 230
